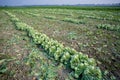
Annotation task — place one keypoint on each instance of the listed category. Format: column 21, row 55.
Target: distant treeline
column 116, row 8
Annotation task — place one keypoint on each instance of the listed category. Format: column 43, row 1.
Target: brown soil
column 17, row 70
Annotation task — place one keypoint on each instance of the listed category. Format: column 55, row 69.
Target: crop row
column 76, row 21
column 82, row 66
column 71, row 20
column 98, row 17
column 33, row 14
column 93, row 15
column 109, row 27
column 50, row 17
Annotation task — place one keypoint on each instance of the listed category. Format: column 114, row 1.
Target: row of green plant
column 71, row 20
column 83, row 67
column 98, row 17
column 109, row 27
column 76, row 21
column 50, row 17
column 29, row 13
column 33, row 14
column 54, row 12
column 102, row 15
column 60, row 13
column 65, row 14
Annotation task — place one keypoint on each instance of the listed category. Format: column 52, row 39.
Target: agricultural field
column 42, row 43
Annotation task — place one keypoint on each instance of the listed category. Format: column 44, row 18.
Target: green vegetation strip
column 32, row 14
column 50, row 17
column 109, row 27
column 83, row 67
column 75, row 21
column 106, row 17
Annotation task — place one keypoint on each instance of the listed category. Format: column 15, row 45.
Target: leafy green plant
column 109, row 27
column 92, row 73
column 65, row 58
column 79, row 62
column 15, row 19
column 58, row 53
column 21, row 25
